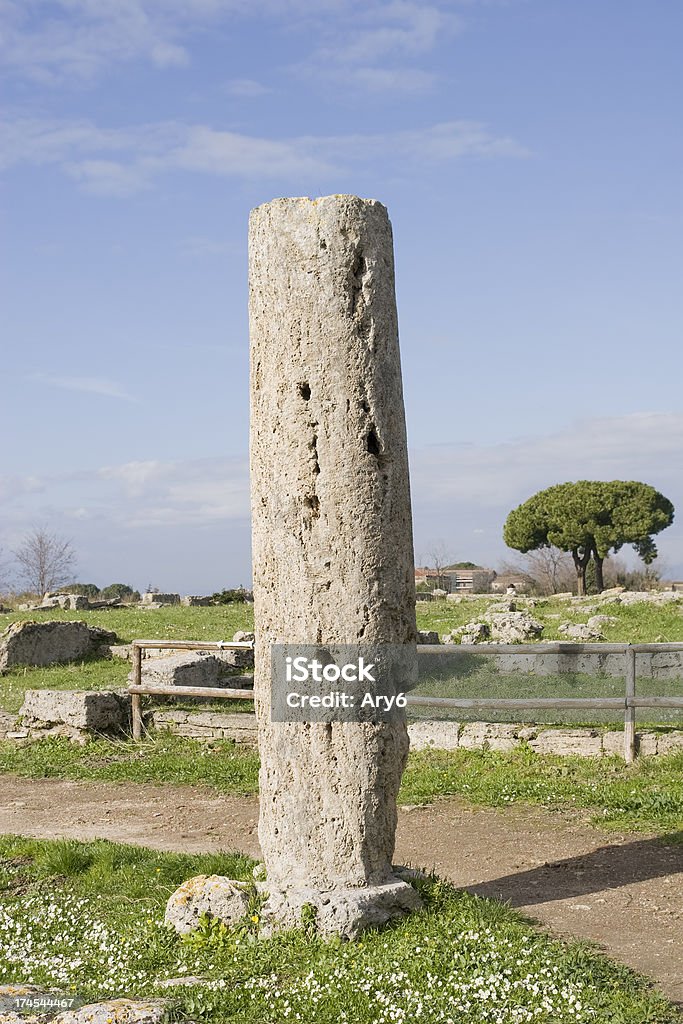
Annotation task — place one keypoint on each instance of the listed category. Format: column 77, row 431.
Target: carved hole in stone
column 311, row 502
column 358, row 270
column 372, row 442
column 305, row 391
column 365, row 407
column 323, row 243
column 314, row 448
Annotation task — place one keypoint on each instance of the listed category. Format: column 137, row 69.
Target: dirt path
column 624, row 892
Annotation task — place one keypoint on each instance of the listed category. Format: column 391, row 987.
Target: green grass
column 637, row 623
column 641, row 622
column 92, row 674
column 644, row 797
column 224, row 766
column 461, row 958
column 172, row 623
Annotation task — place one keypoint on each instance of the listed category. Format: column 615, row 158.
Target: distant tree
column 617, row 573
column 231, row 596
column 4, row 573
column 551, row 570
column 589, row 519
column 46, row 560
column 118, row 591
column 439, row 558
column 86, row 589
column 545, row 571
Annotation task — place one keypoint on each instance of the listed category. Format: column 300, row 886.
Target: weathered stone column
column 332, row 544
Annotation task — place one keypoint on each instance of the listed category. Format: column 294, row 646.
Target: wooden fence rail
column 628, row 703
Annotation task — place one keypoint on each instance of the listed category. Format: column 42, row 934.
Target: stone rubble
column 50, row 643
column 581, row 631
column 215, row 895
column 188, row 668
column 75, row 714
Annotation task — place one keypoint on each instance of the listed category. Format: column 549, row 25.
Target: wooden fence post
column 630, row 713
column 136, row 698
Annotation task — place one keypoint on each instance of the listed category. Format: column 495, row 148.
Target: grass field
column 461, row 958
column 646, row 796
column 637, row 623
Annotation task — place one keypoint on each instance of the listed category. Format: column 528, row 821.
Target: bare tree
column 546, row 571
column 618, row 573
column 440, row 558
column 551, row 570
column 46, row 560
column 4, row 574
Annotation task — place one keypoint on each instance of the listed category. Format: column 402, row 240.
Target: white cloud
column 461, row 493
column 120, row 162
column 136, row 477
column 194, row 492
column 393, row 80
column 49, row 41
column 229, row 153
column 639, row 446
column 78, row 38
column 460, row 488
column 397, row 28
column 372, row 47
column 246, row 88
column 88, row 385
column 13, row 487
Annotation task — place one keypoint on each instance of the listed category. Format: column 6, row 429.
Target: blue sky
column 529, row 153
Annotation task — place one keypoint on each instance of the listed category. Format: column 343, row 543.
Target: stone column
column 332, row 544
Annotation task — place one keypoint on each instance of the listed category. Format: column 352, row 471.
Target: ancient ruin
column 332, row 545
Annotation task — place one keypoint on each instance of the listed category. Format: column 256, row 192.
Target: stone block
column 122, row 651
column 581, row 630
column 191, row 668
column 346, row 912
column 75, row 714
column 583, row 742
column 116, row 1011
column 489, row 736
column 647, row 744
column 427, row 636
column 237, row 659
column 670, row 742
column 514, row 627
column 242, row 637
column 613, row 743
column 434, row 735
column 167, row 719
column 160, row 599
column 49, row 643
column 222, row 898
column 239, row 727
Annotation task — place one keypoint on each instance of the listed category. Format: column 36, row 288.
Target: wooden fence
column 629, row 703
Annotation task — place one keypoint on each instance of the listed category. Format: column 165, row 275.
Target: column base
column 343, row 912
